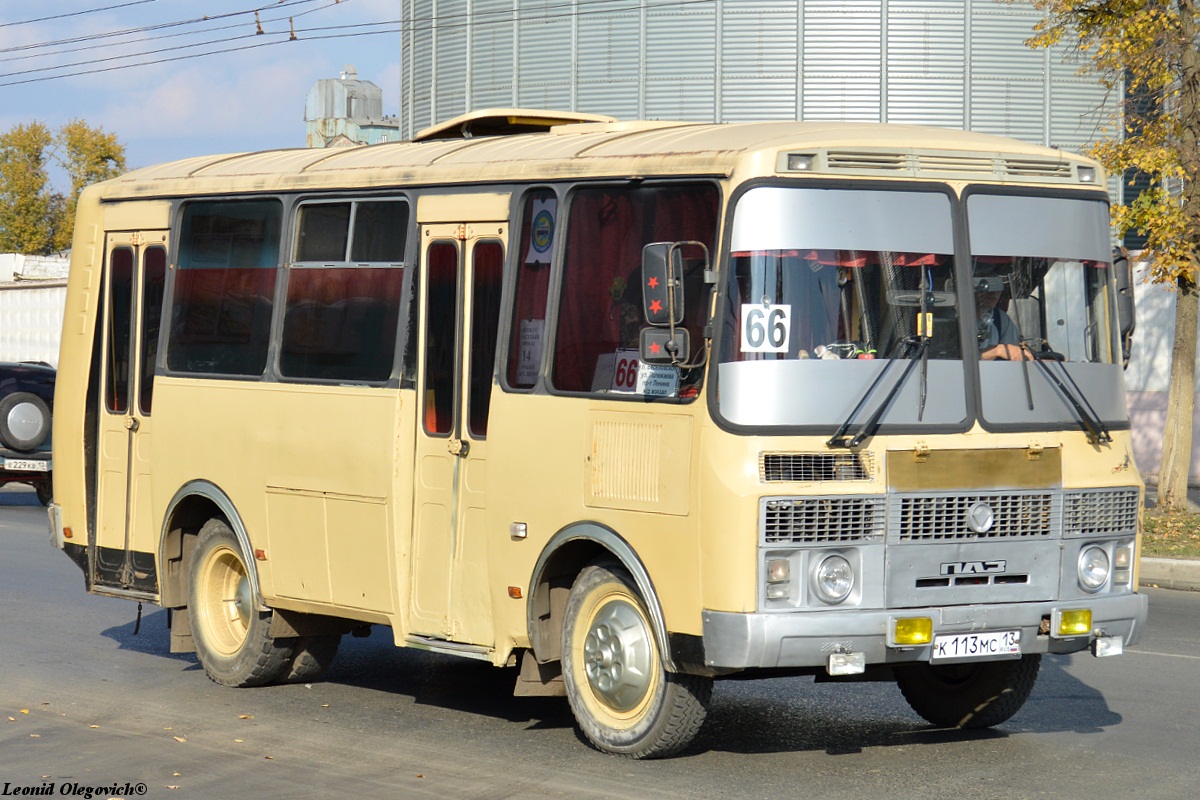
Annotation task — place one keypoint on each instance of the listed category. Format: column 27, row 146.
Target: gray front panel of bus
column 819, row 392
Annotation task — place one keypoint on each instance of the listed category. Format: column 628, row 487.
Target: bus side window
column 224, row 292
column 600, row 308
column 340, row 323
column 527, row 335
column 343, row 291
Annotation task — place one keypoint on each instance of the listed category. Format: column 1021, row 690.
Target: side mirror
column 662, row 283
column 658, row 346
column 663, row 299
column 1126, row 312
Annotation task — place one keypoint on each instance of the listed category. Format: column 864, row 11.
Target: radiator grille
column 946, row 517
column 815, row 467
column 1100, row 512
column 822, row 520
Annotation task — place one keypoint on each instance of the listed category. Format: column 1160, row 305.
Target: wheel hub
column 617, row 656
column 242, row 601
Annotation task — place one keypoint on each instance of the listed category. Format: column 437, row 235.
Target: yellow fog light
column 911, row 631
column 1076, row 622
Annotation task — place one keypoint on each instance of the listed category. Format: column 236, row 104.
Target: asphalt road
column 86, row 702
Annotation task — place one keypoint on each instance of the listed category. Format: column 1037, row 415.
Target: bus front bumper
column 809, row 638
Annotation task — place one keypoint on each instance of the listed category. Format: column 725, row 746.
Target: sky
column 214, row 84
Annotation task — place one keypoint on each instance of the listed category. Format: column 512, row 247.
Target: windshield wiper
column 1095, row 428
column 916, row 346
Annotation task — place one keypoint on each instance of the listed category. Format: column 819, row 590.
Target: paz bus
column 627, row 407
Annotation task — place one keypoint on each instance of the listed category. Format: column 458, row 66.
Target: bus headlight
column 833, row 579
column 1093, row 568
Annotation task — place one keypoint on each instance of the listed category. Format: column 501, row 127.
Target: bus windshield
column 1040, row 274
column 833, row 283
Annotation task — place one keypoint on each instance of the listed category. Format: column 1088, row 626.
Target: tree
column 34, row 219
column 26, row 199
column 1148, row 50
column 89, row 155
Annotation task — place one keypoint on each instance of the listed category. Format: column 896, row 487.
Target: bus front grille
column 822, row 520
column 976, row 516
column 1101, row 512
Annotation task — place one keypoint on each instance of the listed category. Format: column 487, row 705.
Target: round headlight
column 833, row 579
column 1093, row 568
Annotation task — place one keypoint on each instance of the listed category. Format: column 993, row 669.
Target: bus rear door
column 135, row 273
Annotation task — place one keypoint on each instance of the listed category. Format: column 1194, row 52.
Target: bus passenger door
column 461, row 269
column 124, row 540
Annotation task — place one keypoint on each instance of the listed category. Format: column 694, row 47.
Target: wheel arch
column 561, row 560
column 195, row 503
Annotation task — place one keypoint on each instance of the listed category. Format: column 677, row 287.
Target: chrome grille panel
column 821, row 520
column 815, row 467
column 1101, row 512
column 945, row 516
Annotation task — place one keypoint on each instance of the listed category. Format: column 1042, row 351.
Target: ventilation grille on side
column 822, row 520
column 815, row 467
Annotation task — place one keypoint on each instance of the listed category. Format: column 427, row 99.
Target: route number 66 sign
column 766, row 329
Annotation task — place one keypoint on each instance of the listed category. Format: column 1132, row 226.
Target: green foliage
column 1146, row 49
column 26, row 224
column 35, row 219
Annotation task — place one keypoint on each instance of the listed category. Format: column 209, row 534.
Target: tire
column 231, row 635
column 45, row 490
column 975, row 695
column 310, row 657
column 623, row 699
column 24, row 420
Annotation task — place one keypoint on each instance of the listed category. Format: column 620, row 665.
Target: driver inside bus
column 999, row 338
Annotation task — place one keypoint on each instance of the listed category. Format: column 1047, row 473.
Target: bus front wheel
column 969, row 695
column 624, row 700
column 231, row 635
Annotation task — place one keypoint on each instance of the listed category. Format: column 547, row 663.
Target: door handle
column 132, row 424
column 459, row 447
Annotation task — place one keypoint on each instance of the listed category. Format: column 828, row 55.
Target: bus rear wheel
column 623, row 699
column 232, row 637
column 310, row 657
column 970, row 695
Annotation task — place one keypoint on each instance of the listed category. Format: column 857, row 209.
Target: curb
column 1170, row 573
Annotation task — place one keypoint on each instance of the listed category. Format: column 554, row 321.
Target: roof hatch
column 504, row 122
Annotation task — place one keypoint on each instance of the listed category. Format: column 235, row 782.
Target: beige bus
column 624, row 406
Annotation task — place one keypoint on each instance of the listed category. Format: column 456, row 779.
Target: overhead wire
column 75, row 13
column 440, row 22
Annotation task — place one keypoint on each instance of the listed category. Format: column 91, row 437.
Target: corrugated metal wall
column 31, row 318
column 952, row 63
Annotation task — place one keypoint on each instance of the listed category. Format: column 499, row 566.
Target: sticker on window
column 541, row 231
column 631, row 376
column 532, row 331
column 766, row 328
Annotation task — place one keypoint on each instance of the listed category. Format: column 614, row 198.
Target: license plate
column 22, row 465
column 976, row 645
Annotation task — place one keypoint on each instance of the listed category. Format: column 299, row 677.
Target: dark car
column 26, row 405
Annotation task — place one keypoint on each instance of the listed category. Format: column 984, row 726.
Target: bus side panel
column 543, row 473
column 310, row 470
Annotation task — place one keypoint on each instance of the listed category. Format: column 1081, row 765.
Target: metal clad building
column 951, row 63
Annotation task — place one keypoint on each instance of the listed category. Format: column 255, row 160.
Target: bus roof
column 614, row 149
